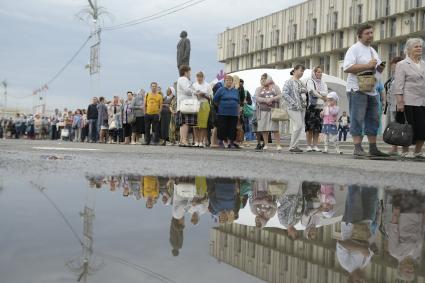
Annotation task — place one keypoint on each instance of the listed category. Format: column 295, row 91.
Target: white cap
column 333, row 95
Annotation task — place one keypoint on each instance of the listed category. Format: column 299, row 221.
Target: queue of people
column 224, row 115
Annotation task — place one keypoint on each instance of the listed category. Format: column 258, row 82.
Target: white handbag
column 64, row 133
column 190, row 106
column 185, row 190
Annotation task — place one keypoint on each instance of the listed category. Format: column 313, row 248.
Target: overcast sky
column 39, row 36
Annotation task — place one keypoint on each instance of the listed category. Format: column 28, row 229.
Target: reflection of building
column 319, row 32
column 272, row 256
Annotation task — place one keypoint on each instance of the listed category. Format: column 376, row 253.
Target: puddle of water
column 135, row 228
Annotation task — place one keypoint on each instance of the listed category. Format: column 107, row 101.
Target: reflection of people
column 176, row 235
column 356, row 249
column 263, row 205
column 290, row 211
column 406, row 233
column 183, row 50
column 222, row 199
column 150, row 190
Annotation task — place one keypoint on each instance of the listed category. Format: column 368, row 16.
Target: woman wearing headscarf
column 138, row 103
column 127, row 117
column 166, row 116
column 204, row 93
column 115, row 120
column 268, row 96
column 173, row 133
column 317, row 91
column 295, row 95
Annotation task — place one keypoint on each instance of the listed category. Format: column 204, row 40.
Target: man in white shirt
column 361, row 57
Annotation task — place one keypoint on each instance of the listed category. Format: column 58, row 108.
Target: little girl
column 330, row 114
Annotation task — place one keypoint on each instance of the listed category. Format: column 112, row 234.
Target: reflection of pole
column 86, row 264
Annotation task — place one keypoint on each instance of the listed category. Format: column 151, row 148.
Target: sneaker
column 309, row 149
column 146, row 143
column 404, row 155
column 419, row 156
column 265, row 147
column 279, row 148
column 360, row 153
column 295, row 150
column 325, row 151
column 133, row 143
column 393, row 153
column 339, row 152
column 196, row 145
column 221, row 144
column 316, row 149
column 201, row 145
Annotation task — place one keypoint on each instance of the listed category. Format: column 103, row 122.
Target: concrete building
column 318, row 32
column 270, row 255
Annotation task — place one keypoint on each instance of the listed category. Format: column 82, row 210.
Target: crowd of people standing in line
column 224, row 114
column 301, row 208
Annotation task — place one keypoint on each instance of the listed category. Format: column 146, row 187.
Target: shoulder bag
column 399, row 134
column 367, row 79
column 279, row 114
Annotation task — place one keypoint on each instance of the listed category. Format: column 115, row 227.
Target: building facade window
column 387, row 7
column 335, row 20
column 261, row 42
column 246, row 45
column 299, row 49
column 351, row 16
column 341, row 39
column 423, row 20
column 265, row 57
column 359, row 13
column 277, row 37
column 382, row 30
column 318, row 44
column 401, row 48
column 314, row 26
column 412, row 22
column 392, row 50
column 295, row 32
column 393, row 27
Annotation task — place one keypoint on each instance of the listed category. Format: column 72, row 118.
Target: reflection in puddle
column 312, row 232
column 160, row 229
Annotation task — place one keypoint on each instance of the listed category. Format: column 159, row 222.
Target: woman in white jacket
column 184, row 92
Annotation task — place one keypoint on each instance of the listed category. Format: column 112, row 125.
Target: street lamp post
column 4, row 84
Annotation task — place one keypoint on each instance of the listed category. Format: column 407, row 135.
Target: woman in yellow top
column 153, row 106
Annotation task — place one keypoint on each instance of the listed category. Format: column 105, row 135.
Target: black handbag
column 399, row 134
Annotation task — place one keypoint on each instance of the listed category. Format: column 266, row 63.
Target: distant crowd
column 224, row 114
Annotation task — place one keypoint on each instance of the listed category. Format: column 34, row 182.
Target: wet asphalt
column 35, row 158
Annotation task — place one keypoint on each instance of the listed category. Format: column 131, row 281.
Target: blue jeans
column 93, row 130
column 363, row 114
